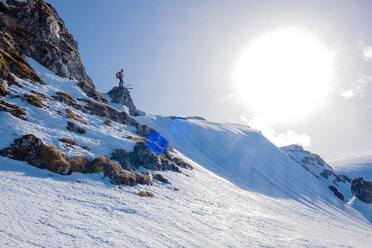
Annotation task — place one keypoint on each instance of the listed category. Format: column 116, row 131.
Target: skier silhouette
column 120, row 76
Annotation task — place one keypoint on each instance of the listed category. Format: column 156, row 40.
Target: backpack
column 117, row 74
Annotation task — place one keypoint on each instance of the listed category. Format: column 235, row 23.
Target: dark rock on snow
column 121, row 95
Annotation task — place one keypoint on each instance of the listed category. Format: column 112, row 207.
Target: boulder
column 121, row 95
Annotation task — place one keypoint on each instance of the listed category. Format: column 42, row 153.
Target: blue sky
column 179, row 56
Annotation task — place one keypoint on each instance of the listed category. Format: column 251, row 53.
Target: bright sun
column 284, row 75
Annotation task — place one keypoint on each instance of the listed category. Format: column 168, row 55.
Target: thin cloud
column 280, row 139
column 228, row 96
column 366, row 50
column 358, row 89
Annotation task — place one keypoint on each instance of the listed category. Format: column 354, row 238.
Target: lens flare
column 157, row 142
column 179, row 128
column 100, row 171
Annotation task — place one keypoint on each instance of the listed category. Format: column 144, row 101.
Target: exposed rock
column 73, row 127
column 114, row 171
column 35, row 152
column 122, row 157
column 68, row 99
column 142, row 156
column 41, row 34
column 68, row 141
column 41, row 95
column 159, row 177
column 144, row 178
column 12, row 59
column 72, row 115
column 91, row 92
column 143, row 130
column 103, row 110
column 362, row 189
column 34, row 100
column 13, row 109
column 31, row 149
column 2, row 89
column 145, row 194
column 121, row 95
column 178, row 161
column 336, row 192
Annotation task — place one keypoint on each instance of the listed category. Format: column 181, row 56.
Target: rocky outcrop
column 35, row 152
column 161, row 178
column 42, row 35
column 31, row 149
column 143, row 156
column 314, row 164
column 336, row 192
column 362, row 189
column 13, row 109
column 121, row 95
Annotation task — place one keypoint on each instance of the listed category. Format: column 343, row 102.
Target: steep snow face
column 39, row 208
column 242, row 156
column 320, row 169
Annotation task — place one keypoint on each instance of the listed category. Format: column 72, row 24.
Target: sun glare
column 284, row 75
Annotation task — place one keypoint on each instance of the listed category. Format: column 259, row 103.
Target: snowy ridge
column 242, row 156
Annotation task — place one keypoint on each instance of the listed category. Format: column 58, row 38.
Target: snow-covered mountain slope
column 240, row 155
column 225, row 185
column 338, row 183
column 39, row 208
column 49, row 122
column 276, row 204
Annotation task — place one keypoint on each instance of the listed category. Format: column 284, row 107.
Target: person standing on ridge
column 120, row 76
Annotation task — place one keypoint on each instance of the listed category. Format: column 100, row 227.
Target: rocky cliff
column 39, row 33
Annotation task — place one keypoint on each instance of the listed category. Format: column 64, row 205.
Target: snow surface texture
column 244, row 192
column 39, row 208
